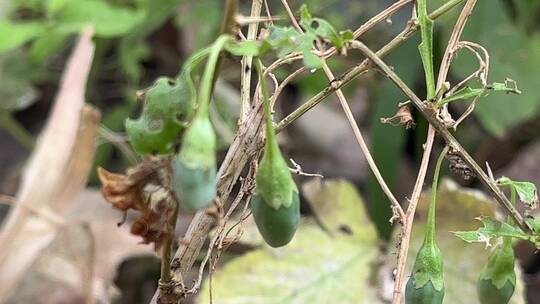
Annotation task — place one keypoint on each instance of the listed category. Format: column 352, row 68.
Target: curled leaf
column 125, row 192
column 402, row 117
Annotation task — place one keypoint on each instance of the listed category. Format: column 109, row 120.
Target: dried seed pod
column 275, row 204
column 498, row 280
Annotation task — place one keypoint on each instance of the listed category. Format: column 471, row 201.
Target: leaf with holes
column 526, row 190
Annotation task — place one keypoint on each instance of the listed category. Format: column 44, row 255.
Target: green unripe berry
column 426, row 294
column 489, row 293
column 498, row 279
column 275, row 205
column 277, row 226
column 426, row 284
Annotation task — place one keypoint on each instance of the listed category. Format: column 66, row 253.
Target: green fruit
column 426, row 294
column 277, row 227
column 498, row 280
column 275, row 205
column 196, row 188
column 167, row 104
column 194, row 168
column 426, row 284
column 488, row 293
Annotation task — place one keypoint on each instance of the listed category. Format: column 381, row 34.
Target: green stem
column 513, row 198
column 207, row 80
column 271, row 142
column 194, row 60
column 13, row 127
column 430, row 233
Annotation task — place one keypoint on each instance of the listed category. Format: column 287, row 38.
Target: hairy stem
column 271, row 142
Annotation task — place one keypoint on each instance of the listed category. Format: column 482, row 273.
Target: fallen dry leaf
column 63, row 155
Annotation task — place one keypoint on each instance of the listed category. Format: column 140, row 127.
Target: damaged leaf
column 125, row 192
column 526, row 191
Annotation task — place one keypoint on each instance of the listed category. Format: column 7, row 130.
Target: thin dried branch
column 396, row 207
column 427, row 110
column 246, row 63
column 298, row 170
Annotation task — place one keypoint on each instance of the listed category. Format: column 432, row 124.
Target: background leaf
column 14, row 34
column 513, row 54
column 108, row 20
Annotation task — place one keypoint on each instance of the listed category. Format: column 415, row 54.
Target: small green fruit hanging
column 275, row 205
column 498, row 280
column 194, row 168
column 426, row 284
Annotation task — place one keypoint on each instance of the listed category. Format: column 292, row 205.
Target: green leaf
column 15, row 34
column 45, row 45
column 108, row 20
column 16, row 88
column 287, row 40
column 526, row 190
column 509, row 86
column 339, row 267
column 133, row 48
column 513, row 54
column 491, row 230
column 166, row 106
column 54, row 6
